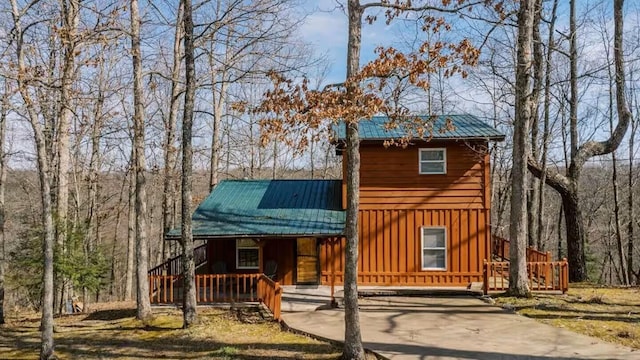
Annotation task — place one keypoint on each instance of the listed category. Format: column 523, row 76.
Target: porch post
column 260, row 256
column 333, row 273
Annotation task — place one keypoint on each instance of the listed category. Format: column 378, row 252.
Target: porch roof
column 265, row 208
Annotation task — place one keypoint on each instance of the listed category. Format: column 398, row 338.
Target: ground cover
column 112, row 332
column 611, row 314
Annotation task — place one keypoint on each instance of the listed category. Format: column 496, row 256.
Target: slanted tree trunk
column 142, row 251
column 189, row 312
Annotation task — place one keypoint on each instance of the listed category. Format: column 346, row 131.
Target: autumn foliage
column 292, row 107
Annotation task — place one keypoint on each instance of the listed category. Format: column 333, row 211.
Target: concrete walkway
column 453, row 327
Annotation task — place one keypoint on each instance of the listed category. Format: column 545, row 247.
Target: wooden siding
column 389, row 178
column 390, row 247
column 279, row 250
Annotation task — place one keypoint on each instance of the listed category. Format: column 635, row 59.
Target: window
column 433, row 161
column 247, row 254
column 434, row 248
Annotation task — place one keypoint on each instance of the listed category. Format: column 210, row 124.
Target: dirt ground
column 611, row 314
column 112, row 332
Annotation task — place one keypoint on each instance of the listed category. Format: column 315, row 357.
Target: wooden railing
column 173, row 266
column 542, row 275
column 270, row 294
column 219, row 288
column 501, row 250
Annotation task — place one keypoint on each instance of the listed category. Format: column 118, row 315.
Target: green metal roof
column 260, row 208
column 465, row 127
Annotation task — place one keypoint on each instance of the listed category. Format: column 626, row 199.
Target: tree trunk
column 190, row 315
column 142, row 251
column 624, row 114
column 630, row 210
column 70, row 10
column 169, row 147
column 568, row 185
column 546, row 130
column 518, row 284
column 353, row 348
column 131, row 234
column 4, row 108
column 46, row 325
column 574, row 225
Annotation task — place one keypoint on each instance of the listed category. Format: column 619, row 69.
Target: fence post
column 565, row 275
column 277, row 301
column 485, row 276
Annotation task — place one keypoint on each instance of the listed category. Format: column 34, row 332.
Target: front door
column 306, row 261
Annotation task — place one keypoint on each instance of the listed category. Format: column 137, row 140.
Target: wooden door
column 306, row 261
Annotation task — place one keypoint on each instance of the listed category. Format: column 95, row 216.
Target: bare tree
column 170, row 158
column 24, row 77
column 4, row 110
column 189, row 312
column 568, row 184
column 518, row 284
column 142, row 251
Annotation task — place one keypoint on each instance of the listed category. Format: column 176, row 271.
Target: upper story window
column 433, row 161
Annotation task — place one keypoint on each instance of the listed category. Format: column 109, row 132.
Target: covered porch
column 257, row 235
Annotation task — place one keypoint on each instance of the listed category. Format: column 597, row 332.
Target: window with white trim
column 247, row 254
column 433, row 161
column 434, row 248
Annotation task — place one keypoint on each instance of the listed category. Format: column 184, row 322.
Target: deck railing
column 542, row 275
column 501, row 250
column 173, row 266
column 219, row 288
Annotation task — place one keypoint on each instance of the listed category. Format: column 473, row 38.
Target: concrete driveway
column 456, row 327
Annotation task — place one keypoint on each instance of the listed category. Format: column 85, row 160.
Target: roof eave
column 253, row 236
column 487, row 138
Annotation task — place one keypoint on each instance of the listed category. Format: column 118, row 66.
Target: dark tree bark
column 190, row 315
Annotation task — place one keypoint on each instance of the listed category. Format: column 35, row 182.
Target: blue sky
column 326, row 29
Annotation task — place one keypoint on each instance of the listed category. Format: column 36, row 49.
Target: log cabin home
column 424, row 217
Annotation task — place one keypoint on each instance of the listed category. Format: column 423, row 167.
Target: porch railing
column 173, row 266
column 219, row 288
column 501, row 250
column 270, row 294
column 542, row 276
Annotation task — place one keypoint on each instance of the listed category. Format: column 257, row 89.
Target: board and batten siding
column 396, row 201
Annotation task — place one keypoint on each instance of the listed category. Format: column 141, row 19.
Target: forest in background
column 238, row 44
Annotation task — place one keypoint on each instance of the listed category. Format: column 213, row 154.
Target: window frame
column 238, row 247
column 443, row 161
column 445, row 248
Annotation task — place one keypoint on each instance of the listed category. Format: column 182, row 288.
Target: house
column 424, row 214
